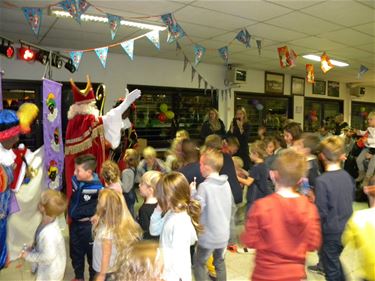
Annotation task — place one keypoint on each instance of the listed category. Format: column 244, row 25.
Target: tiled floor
column 239, row 266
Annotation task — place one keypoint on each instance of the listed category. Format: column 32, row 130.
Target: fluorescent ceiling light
column 85, row 17
column 334, row 62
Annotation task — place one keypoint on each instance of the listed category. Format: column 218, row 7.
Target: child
column 114, row 230
column 230, row 145
column 242, row 175
column 334, row 191
column 178, row 227
column 292, row 133
column 283, row 226
column 150, row 162
column 48, row 250
column 359, row 233
column 147, row 190
column 215, row 197
column 369, row 143
column 129, row 178
column 111, row 175
column 86, row 186
column 143, row 261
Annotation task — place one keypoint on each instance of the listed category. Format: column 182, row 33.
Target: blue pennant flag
column 244, row 37
column 153, row 36
column 362, row 70
column 128, row 47
column 102, row 55
column 198, row 53
column 178, row 32
column 34, row 18
column 114, row 23
column 170, row 38
column 76, row 58
column 82, row 6
column 169, row 21
column 224, row 53
column 71, row 7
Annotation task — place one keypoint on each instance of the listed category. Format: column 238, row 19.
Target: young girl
column 110, row 173
column 114, row 229
column 178, row 227
column 48, row 250
column 147, row 189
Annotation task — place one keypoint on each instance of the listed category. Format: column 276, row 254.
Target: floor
column 239, row 266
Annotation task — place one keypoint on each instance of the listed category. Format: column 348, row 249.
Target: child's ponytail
column 194, row 211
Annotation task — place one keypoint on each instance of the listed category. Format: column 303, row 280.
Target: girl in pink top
column 110, row 173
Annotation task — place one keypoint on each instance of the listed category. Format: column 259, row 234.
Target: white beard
column 84, row 109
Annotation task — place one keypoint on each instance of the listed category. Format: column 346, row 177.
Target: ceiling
column 344, row 29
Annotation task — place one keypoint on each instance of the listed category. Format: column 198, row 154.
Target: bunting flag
column 178, row 47
column 259, row 46
column 292, row 59
column 199, row 80
column 185, row 62
column 34, row 18
column 224, row 54
column 178, row 32
column 76, row 58
column 128, row 47
column 362, row 70
column 153, row 36
column 310, row 76
column 82, row 6
column 325, row 63
column 205, row 86
column 52, row 134
column 244, row 37
column 114, row 23
column 192, row 73
column 170, row 38
column 198, row 53
column 169, row 21
column 102, row 55
column 71, row 7
column 283, row 56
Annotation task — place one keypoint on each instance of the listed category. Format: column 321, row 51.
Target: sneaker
column 316, row 269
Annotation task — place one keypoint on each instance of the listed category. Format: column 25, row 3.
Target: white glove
column 129, row 99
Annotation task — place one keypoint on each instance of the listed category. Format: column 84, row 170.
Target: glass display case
column 360, row 111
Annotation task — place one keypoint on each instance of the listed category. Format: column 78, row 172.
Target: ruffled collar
column 7, row 156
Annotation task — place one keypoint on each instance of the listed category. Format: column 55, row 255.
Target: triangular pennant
column 283, row 56
column 170, row 38
column 198, row 53
column 178, row 47
column 259, row 46
column 178, row 32
column 128, row 47
column 325, row 63
column 362, row 70
column 224, row 54
column 169, row 21
column 244, row 37
column 153, row 36
column 292, row 58
column 192, row 73
column 114, row 23
column 82, row 6
column 205, row 86
column 199, row 80
column 185, row 62
column 310, row 76
column 76, row 58
column 102, row 55
column 34, row 18
column 71, row 7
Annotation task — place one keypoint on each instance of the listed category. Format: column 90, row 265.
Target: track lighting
column 69, row 65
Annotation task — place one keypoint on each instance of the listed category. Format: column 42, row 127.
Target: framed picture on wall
column 274, row 83
column 319, row 88
column 298, row 86
column 333, row 89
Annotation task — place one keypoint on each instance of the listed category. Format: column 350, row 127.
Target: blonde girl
column 213, row 125
column 178, row 227
column 129, row 177
column 114, row 230
column 175, row 158
column 110, row 173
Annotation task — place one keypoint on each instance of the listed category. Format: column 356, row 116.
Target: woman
column 240, row 128
column 213, row 125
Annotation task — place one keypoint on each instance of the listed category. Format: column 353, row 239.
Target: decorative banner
column 1, row 90
column 199, row 80
column 192, row 73
column 71, row 7
column 178, row 32
column 53, row 145
column 128, row 47
column 198, row 53
column 114, row 23
column 185, row 62
column 259, row 46
column 178, row 47
column 170, row 38
column 83, row 5
column 224, row 54
column 205, row 86
column 292, row 58
column 362, row 70
column 283, row 56
column 169, row 22
column 325, row 63
column 153, row 36
column 76, row 58
column 244, row 37
column 34, row 18
column 102, row 55
column 310, row 73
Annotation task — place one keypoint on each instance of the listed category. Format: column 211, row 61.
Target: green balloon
column 169, row 114
column 163, row 107
column 362, row 109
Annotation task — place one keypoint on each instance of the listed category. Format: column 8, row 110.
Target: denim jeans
column 201, row 257
column 330, row 257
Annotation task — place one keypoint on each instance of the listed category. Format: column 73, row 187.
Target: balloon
column 169, row 114
column 259, row 106
column 362, row 109
column 364, row 114
column 255, row 102
column 314, row 118
column 163, row 107
column 314, row 113
column 162, row 117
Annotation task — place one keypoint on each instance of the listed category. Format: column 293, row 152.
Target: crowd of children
column 299, row 199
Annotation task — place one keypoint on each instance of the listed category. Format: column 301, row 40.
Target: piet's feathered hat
column 9, row 124
column 83, row 96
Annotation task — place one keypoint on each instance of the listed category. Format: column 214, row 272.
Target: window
column 360, row 111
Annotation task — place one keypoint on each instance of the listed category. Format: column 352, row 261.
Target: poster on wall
column 319, row 87
column 333, row 89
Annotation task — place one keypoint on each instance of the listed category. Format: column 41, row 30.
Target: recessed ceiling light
column 334, row 62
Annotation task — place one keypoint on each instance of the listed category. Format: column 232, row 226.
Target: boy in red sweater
column 283, row 226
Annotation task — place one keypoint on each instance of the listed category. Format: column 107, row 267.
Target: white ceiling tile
column 273, row 32
column 295, row 5
column 369, row 3
column 196, row 30
column 368, row 28
column 349, row 52
column 348, row 36
column 319, row 44
column 369, row 47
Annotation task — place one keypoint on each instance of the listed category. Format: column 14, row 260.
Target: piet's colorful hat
column 9, row 124
column 83, row 96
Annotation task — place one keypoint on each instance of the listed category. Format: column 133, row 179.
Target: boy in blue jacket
column 85, row 191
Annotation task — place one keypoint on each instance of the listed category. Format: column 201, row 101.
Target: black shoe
column 316, row 269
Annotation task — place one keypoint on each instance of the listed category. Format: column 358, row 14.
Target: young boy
column 216, row 201
column 283, row 226
column 48, row 250
column 359, row 233
column 334, row 192
column 86, row 186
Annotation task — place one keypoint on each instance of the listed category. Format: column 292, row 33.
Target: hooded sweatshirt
column 282, row 230
column 215, row 197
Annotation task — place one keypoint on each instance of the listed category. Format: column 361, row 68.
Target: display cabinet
column 360, row 111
